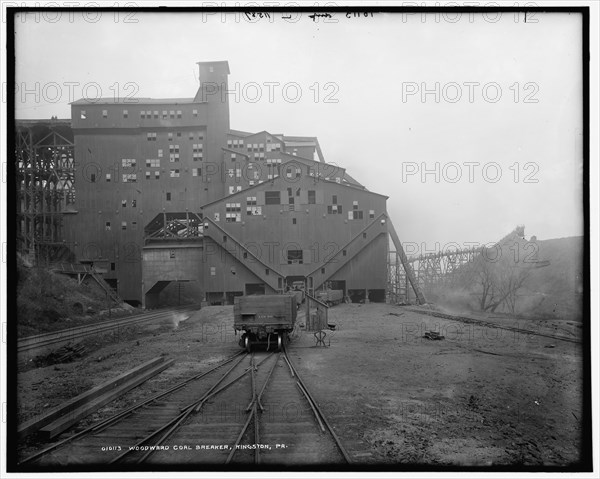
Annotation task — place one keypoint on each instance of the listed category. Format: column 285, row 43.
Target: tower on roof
column 213, row 81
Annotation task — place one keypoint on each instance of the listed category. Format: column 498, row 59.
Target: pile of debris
column 433, row 336
column 62, row 355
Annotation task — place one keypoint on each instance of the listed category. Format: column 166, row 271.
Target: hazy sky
column 508, row 101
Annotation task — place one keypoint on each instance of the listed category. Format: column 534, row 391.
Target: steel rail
column 195, row 406
column 47, row 339
column 174, row 423
column 121, row 415
column 318, row 409
column 481, row 322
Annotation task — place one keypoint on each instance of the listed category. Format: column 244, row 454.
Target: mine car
column 264, row 319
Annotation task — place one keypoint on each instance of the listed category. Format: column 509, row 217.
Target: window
column 134, row 225
column 356, row 214
column 344, row 252
column 272, row 197
column 125, row 114
column 104, row 113
column 179, row 113
column 83, row 115
column 123, row 225
column 371, row 214
column 334, row 209
column 312, row 199
column 160, row 153
column 294, row 256
column 107, row 226
column 174, row 173
column 93, row 178
column 133, row 203
column 157, row 175
column 151, row 136
column 195, row 113
column 129, row 178
column 128, row 162
column 233, row 212
column 170, row 136
column 334, row 199
column 168, row 196
column 171, row 254
column 123, row 203
column 143, row 114
column 156, row 114
column 364, row 235
column 112, row 266
column 196, row 171
column 293, row 221
column 164, row 114
column 172, row 113
column 153, row 163
column 147, row 175
column 217, row 217
column 108, row 177
column 213, row 271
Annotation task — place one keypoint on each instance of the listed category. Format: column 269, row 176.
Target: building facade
column 166, row 191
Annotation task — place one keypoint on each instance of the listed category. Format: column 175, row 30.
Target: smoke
column 176, row 318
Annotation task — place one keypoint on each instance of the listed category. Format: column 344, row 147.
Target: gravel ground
column 478, row 397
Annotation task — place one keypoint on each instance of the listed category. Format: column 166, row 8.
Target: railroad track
column 32, row 345
column 489, row 324
column 250, row 409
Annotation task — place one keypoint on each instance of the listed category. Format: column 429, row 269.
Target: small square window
column 83, row 115
column 107, row 226
column 108, row 177
column 123, row 203
column 155, row 114
column 104, row 113
column 125, row 114
column 123, row 225
column 293, row 221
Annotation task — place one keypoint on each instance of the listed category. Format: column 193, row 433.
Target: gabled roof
column 280, row 178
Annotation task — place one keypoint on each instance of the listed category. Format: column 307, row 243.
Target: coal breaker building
column 163, row 190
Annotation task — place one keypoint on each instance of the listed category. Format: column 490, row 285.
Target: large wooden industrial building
column 165, row 191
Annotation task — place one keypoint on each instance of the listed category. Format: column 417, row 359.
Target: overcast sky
column 509, row 101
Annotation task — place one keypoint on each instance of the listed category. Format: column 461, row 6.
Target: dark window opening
column 364, row 235
column 168, row 196
column 293, row 221
column 93, row 178
column 112, row 266
column 343, row 252
column 294, row 256
column 334, row 199
column 272, row 197
column 312, row 199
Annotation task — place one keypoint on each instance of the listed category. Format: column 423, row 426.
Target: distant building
column 166, row 191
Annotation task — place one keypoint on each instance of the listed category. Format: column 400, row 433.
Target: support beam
column 404, row 260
